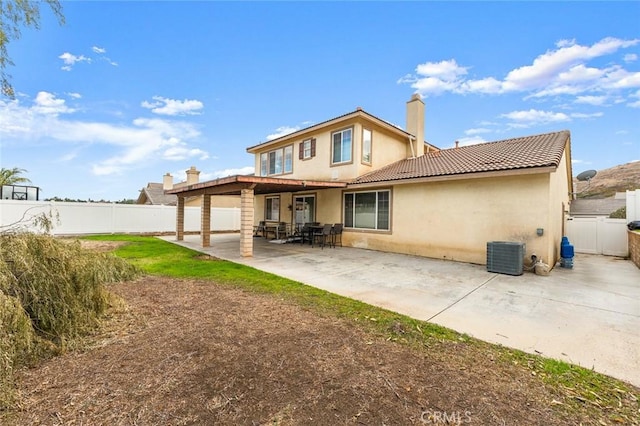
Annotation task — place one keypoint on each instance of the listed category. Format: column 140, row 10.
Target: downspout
column 413, row 151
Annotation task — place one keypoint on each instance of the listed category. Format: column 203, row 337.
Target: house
column 395, row 192
column 155, row 193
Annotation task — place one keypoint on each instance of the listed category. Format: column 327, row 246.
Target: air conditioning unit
column 504, row 257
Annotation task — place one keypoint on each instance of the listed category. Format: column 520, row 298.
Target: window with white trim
column 366, row 146
column 307, row 149
column 277, row 162
column 367, row 210
column 341, row 146
column 272, row 209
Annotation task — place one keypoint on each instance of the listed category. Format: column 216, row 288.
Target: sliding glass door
column 305, row 209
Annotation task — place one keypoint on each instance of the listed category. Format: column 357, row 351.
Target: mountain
column 609, row 181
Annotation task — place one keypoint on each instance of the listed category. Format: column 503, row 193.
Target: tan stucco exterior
column 439, row 206
column 455, row 219
column 386, row 149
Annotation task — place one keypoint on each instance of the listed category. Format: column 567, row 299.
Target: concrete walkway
column 588, row 315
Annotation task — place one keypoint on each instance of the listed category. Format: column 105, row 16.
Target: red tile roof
column 518, row 153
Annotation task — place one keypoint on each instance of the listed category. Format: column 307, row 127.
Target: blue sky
column 125, row 92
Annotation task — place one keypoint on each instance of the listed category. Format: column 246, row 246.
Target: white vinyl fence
column 107, row 218
column 633, row 205
column 598, row 235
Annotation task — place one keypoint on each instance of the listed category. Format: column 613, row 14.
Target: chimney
column 415, row 125
column 167, row 181
column 192, row 175
column 457, row 145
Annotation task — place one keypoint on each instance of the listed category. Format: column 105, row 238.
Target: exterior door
column 305, row 209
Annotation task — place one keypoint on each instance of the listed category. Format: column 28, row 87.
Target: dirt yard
column 192, row 352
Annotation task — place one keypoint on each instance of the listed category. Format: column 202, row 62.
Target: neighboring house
column 155, row 193
column 594, row 207
column 395, row 192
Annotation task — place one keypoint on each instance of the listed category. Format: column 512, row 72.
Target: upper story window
column 341, row 146
column 307, row 149
column 277, row 162
column 366, row 146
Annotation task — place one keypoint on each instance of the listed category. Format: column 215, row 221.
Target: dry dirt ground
column 193, row 352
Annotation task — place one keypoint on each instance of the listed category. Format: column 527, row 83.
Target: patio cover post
column 180, row 219
column 205, row 217
column 246, row 222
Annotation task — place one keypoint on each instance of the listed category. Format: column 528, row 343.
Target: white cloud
column 477, row 131
column 282, row 131
column 630, row 57
column 70, row 60
column 591, row 100
column 635, row 104
column 583, row 115
column 124, row 147
column 249, row 170
column 562, row 71
column 68, row 157
column 436, row 77
column 444, row 70
column 533, row 117
column 576, row 161
column 99, row 50
column 622, row 132
column 182, row 153
column 74, row 95
column 47, row 103
column 165, row 106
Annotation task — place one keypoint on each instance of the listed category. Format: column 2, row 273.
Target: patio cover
column 247, row 186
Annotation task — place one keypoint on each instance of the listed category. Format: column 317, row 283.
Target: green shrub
column 621, row 213
column 51, row 292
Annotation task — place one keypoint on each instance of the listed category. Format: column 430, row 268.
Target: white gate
column 598, row 235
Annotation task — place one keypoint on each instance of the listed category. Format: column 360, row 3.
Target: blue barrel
column 566, row 249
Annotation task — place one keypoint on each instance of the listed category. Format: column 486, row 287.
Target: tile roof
column 517, row 153
column 155, row 194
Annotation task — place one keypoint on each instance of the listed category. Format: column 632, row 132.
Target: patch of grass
column 576, row 389
column 158, row 257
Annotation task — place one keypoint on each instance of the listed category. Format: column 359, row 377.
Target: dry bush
column 51, row 292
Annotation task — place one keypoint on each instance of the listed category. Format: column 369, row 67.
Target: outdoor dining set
column 313, row 233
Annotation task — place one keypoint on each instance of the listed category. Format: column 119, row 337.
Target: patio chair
column 336, row 234
column 304, row 232
column 260, row 229
column 281, row 232
column 322, row 236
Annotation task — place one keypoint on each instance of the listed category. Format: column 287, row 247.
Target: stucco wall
column 634, row 247
column 387, row 148
column 455, row 219
column 224, row 201
column 559, row 199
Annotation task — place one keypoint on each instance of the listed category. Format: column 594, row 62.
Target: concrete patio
column 588, row 315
